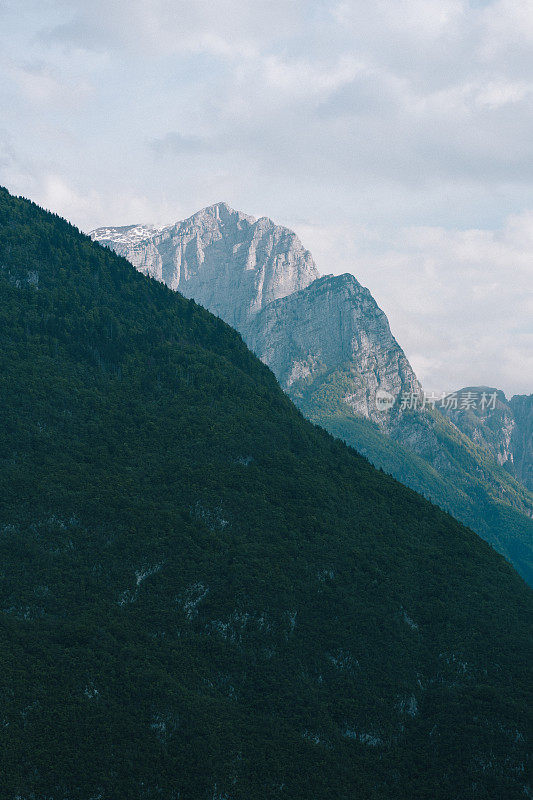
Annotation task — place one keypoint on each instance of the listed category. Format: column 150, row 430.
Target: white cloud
column 303, row 78
column 507, row 25
column 395, row 136
column 227, row 28
column 423, row 20
column 500, row 93
column 41, row 86
column 57, row 194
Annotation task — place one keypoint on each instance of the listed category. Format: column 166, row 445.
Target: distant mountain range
column 203, row 596
column 331, row 348
column 504, row 428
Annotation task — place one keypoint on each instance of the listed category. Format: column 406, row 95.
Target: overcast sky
column 395, row 137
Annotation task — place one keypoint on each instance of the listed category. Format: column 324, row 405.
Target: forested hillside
column 424, row 451
column 202, row 595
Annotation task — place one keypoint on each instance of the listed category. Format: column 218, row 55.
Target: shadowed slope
column 203, row 595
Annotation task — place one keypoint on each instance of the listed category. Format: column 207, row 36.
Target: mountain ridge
column 331, row 348
column 287, row 334
column 204, row 595
column 244, row 302
column 261, row 261
column 505, row 430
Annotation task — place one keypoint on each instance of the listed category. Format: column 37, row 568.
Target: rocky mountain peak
column 227, row 261
column 332, row 350
column 333, row 325
column 259, row 278
column 220, row 213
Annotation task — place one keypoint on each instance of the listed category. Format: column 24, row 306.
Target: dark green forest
column 451, row 469
column 203, row 596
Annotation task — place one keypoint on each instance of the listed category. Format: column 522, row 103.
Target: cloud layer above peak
column 395, row 135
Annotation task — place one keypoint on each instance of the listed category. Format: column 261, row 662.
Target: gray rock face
column 134, row 243
column 260, row 279
column 504, row 429
column 331, row 348
column 227, row 261
column 333, row 323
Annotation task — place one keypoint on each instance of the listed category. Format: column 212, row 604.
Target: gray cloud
column 177, row 144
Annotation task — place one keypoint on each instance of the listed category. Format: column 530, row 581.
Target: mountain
column 504, row 428
column 334, row 321
column 205, row 596
column 233, row 263
column 331, row 348
column 258, row 277
column 427, row 453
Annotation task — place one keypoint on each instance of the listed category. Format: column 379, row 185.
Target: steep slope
column 228, row 261
column 331, row 348
column 427, row 453
column 333, row 322
column 503, row 428
column 205, row 596
column 522, row 440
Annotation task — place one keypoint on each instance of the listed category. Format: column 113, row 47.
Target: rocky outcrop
column 504, row 428
column 227, row 261
column 333, row 323
column 260, row 279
